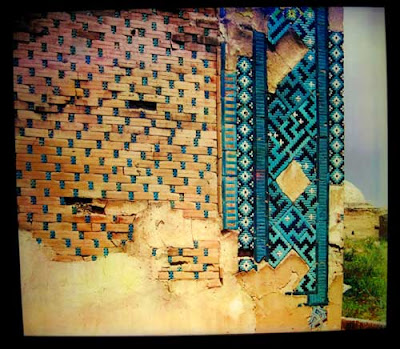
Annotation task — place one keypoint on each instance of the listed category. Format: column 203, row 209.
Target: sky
column 365, row 102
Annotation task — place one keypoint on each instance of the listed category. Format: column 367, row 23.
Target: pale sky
column 365, row 102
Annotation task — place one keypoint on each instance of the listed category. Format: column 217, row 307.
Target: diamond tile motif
column 245, row 156
column 295, row 163
column 292, row 155
column 246, row 264
column 293, row 181
column 336, row 108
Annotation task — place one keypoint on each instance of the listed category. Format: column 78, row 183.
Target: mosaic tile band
column 297, row 136
column 336, row 108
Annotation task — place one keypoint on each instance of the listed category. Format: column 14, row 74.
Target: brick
column 66, row 258
column 92, row 131
column 190, row 268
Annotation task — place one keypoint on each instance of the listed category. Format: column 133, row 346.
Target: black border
column 11, row 281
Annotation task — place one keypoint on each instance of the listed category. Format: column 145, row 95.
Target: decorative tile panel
column 294, row 121
column 336, row 108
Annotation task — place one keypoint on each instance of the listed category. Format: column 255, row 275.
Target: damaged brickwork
column 117, row 106
column 119, row 149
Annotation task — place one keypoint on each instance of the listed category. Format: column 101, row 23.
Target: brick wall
column 113, row 106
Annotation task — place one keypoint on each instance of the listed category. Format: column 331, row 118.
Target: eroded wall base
column 123, row 293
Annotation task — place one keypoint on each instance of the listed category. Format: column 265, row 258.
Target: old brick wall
column 120, row 148
column 113, row 107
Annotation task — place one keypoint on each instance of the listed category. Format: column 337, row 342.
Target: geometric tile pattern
column 292, row 231
column 245, row 152
column 318, row 317
column 299, row 19
column 295, row 128
column 292, row 131
column 336, row 108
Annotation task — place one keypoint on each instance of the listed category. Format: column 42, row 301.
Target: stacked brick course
column 113, row 105
column 200, row 262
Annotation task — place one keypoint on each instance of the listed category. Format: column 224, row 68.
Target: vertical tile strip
column 320, row 298
column 245, row 162
column 260, row 149
column 229, row 146
column 336, row 108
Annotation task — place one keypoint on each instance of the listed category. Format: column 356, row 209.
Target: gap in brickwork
column 85, row 203
column 141, row 104
column 77, row 201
